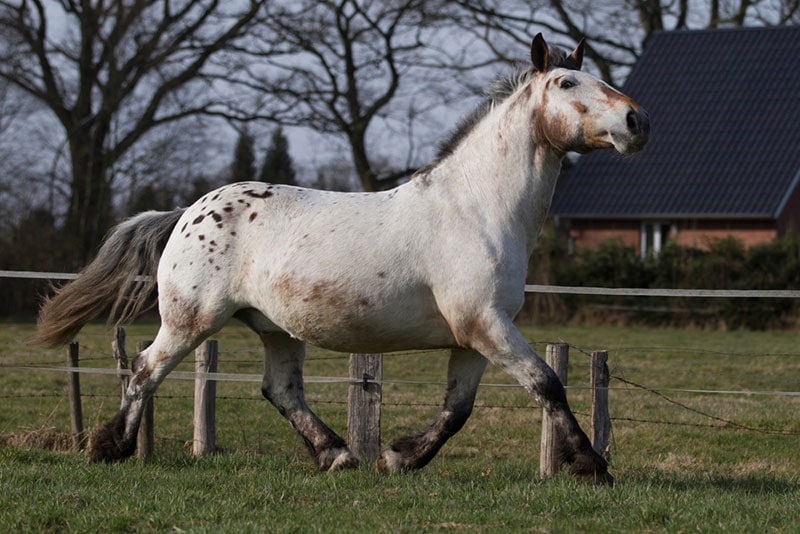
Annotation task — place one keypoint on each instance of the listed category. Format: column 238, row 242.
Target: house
column 724, row 151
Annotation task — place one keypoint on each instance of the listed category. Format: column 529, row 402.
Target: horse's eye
column 566, row 84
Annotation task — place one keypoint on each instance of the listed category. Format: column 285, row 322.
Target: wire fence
column 620, row 383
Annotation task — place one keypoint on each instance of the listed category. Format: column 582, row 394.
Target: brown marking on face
column 580, row 107
column 613, row 96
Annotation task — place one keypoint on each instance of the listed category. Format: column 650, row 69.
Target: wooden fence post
column 118, row 349
column 146, row 437
column 364, row 405
column 205, row 391
column 74, row 385
column 601, row 419
column 557, row 357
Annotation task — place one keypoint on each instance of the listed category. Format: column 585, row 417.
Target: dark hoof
column 592, row 470
column 337, row 460
column 106, row 444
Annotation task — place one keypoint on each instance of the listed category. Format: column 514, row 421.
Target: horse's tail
column 123, row 276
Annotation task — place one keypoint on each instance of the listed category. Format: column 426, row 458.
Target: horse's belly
column 331, row 316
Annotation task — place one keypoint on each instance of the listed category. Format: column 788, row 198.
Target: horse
column 438, row 262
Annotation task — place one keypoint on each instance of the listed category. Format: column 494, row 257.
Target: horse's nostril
column 638, row 122
column 633, row 121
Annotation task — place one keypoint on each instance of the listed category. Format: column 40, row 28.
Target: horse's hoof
column 591, row 471
column 597, row 479
column 388, row 462
column 338, row 460
column 105, row 444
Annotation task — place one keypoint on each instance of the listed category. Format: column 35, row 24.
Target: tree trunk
column 89, row 215
column 361, row 162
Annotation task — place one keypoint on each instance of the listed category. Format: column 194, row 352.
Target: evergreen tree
column 278, row 167
column 243, row 167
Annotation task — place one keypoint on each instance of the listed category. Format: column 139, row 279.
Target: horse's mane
column 503, row 87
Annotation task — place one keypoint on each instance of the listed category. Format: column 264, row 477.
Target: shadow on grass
column 755, row 484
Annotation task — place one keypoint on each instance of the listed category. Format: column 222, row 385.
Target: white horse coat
column 439, row 262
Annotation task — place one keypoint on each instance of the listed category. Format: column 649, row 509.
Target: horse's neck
column 499, row 171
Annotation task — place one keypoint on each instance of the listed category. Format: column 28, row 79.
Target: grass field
column 683, row 461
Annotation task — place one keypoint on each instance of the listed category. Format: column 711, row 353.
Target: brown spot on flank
column 228, row 209
column 253, row 216
column 201, row 237
column 216, row 216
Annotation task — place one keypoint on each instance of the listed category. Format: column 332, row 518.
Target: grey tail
column 123, row 276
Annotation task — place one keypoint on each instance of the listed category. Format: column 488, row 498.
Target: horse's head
column 578, row 112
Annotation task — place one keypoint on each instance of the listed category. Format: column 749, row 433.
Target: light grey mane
column 496, row 93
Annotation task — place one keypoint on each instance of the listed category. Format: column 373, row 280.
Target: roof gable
column 725, row 138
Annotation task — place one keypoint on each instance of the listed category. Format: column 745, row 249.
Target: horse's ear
column 577, row 55
column 540, row 56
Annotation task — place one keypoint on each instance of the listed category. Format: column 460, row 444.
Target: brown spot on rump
column 227, row 209
column 183, row 229
column 216, row 216
column 252, row 216
column 198, row 219
column 201, row 237
column 263, row 194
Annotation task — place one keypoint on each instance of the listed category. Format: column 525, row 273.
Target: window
column 653, row 236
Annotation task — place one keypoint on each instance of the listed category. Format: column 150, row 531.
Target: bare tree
column 344, row 65
column 110, row 72
column 615, row 30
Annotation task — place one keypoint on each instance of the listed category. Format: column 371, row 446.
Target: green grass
column 677, row 469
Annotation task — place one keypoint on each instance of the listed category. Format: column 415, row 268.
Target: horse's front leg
column 494, row 336
column 413, row 452
column 283, row 387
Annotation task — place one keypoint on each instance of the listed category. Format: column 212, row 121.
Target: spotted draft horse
column 438, row 262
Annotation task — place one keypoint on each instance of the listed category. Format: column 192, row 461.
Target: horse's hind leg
column 414, row 452
column 283, row 387
column 116, row 440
